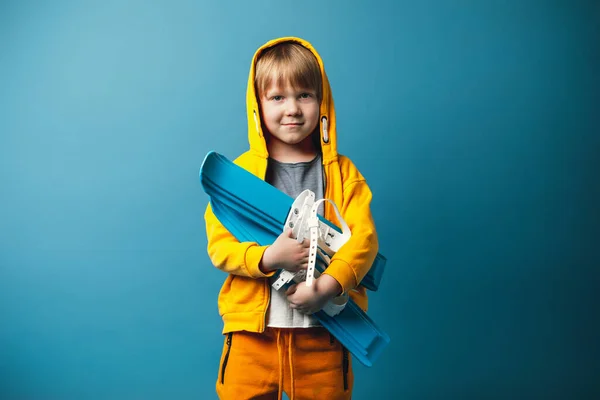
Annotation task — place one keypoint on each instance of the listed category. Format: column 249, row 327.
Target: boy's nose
column 292, row 108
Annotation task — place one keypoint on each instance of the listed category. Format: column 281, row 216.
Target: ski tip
column 207, row 158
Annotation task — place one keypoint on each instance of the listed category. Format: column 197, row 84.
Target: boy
column 273, row 344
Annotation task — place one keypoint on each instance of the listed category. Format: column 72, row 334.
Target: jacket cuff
column 343, row 273
column 252, row 259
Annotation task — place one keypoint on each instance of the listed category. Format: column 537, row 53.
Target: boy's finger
column 291, row 290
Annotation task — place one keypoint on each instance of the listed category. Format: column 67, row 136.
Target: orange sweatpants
column 305, row 363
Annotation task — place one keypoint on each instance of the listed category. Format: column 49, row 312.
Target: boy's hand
column 310, row 299
column 286, row 253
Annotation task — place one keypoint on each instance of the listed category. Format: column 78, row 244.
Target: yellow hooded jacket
column 244, row 297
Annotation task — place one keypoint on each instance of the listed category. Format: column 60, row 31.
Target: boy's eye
column 277, row 98
column 305, row 95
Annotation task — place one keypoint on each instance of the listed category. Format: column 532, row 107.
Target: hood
column 327, row 127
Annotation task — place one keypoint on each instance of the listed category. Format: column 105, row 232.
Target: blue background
column 475, row 123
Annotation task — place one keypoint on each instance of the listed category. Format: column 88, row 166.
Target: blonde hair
column 287, row 62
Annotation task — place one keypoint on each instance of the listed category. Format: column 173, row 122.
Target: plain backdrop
column 475, row 123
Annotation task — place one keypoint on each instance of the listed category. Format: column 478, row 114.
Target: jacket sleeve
column 353, row 260
column 229, row 254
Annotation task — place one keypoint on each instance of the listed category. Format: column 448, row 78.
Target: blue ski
column 253, row 210
column 248, row 192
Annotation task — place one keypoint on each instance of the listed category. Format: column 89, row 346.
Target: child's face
column 289, row 114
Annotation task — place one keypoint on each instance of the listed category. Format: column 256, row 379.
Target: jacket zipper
column 324, row 179
column 268, row 293
column 224, row 366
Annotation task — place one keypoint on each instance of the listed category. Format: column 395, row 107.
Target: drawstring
column 256, row 123
column 291, row 357
column 325, row 133
column 280, row 354
column 285, row 335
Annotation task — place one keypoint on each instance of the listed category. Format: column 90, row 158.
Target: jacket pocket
column 240, row 294
column 226, row 358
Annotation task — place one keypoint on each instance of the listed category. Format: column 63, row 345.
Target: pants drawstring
column 291, row 357
column 280, row 356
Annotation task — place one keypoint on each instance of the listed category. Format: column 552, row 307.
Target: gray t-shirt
column 293, row 179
